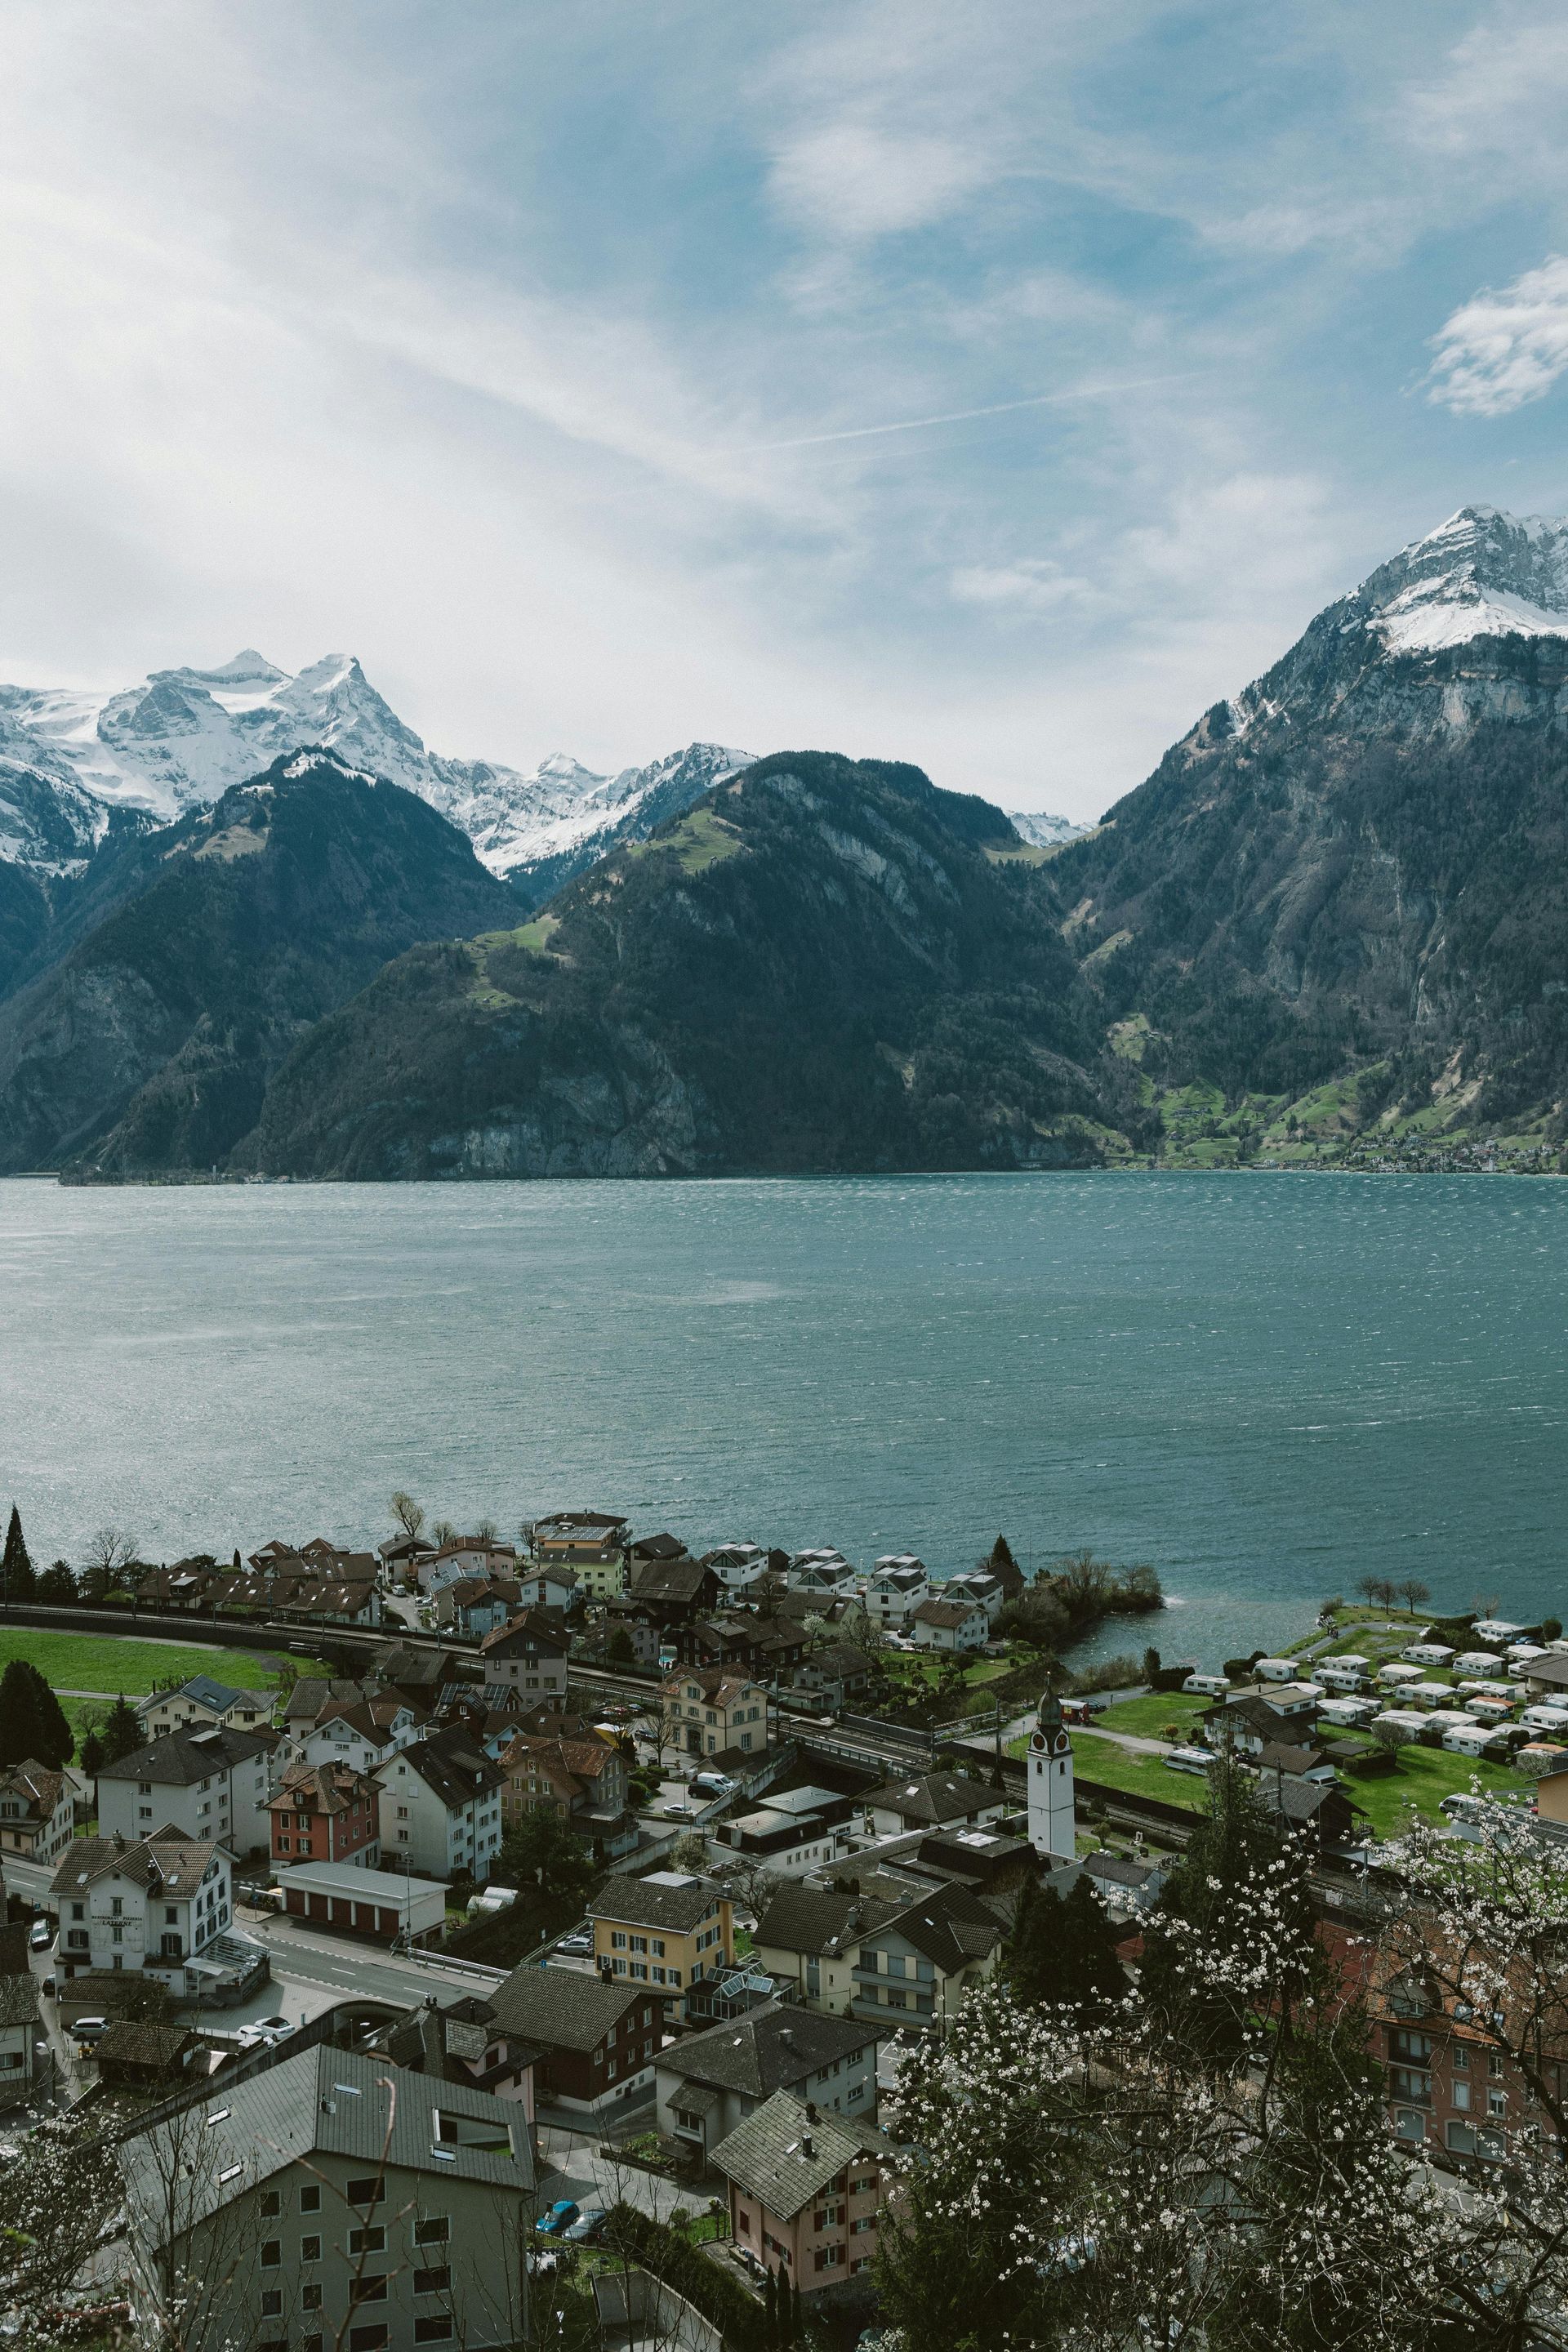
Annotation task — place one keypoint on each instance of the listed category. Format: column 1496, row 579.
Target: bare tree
column 1413, row 1593
column 409, row 1514
column 109, row 1553
column 487, row 1532
column 445, row 1532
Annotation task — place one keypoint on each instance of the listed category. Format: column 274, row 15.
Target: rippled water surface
column 1268, row 1386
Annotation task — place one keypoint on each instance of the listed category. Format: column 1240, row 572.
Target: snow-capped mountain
column 184, row 737
column 1043, row 831
column 1481, row 573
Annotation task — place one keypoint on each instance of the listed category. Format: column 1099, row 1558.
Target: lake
column 1268, row 1386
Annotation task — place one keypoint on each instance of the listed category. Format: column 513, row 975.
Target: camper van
column 1205, row 1685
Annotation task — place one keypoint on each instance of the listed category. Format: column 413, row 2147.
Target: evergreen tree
column 796, row 2329
column 120, row 1733
column 1063, row 1954
column 541, row 1850
column 92, row 1759
column 33, row 1725
column 1002, row 1554
column 17, row 1579
column 57, row 1584
column 770, row 2310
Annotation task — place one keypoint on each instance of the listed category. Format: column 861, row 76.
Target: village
column 650, row 1869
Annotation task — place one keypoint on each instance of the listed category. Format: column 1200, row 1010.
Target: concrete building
column 949, row 1625
column 206, row 1784
column 806, row 2190
column 357, row 1901
column 528, row 1654
column 326, row 1812
column 333, row 2198
column 666, row 1930
column 711, row 1709
column 440, row 1808
column 897, row 1584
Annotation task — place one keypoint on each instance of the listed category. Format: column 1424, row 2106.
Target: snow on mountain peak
column 1481, row 573
column 184, row 737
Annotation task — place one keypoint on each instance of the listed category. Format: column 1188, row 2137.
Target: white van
column 1205, row 1685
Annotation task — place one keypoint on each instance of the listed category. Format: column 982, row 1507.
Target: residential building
column 930, row 1801
column 1546, row 1677
column 897, row 1586
column 917, row 1968
column 807, row 2187
column 771, row 1649
column 38, row 1812
column 584, row 1780
column 528, row 1654
column 666, row 1930
column 710, row 1710
column 330, row 2198
column 1322, row 1812
column 976, row 1584
column 1128, row 1888
column 163, row 1905
column 464, row 1556
column 949, row 1625
column 707, row 2084
column 835, row 1678
column 18, row 2034
column 794, row 1831
column 201, row 1702
column 359, row 1733
column 809, row 1937
column 560, row 1589
column 440, row 1808
column 476, row 1606
column 1246, row 1725
column 821, row 1569
column 326, row 1812
column 596, row 2041
column 593, row 1543
column 426, row 1678
column 400, row 1556
column 738, row 1566
column 464, row 2042
column 205, row 1784
column 674, row 1590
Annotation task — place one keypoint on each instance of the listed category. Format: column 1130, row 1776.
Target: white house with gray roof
column 163, row 1905
column 200, row 1702
column 210, row 1783
column 710, row 2083
column 334, row 2198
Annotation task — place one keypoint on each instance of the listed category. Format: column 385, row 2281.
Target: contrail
column 963, row 415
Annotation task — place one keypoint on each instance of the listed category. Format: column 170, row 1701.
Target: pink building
column 805, row 2190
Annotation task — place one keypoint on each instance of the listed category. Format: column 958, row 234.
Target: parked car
column 588, row 2224
column 90, row 2028
column 558, row 2218
column 711, row 1784
column 42, row 1936
column 578, row 1945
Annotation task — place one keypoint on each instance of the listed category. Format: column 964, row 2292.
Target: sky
column 991, row 388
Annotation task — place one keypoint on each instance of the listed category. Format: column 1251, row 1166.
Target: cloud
column 1033, row 584
column 859, row 179
column 1503, row 349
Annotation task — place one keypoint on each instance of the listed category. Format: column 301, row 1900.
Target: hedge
column 669, row 2256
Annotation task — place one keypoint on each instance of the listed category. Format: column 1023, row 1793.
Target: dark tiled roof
column 1118, row 1870
column 19, row 1999
column 181, row 1759
column 451, row 1763
column 641, row 1904
column 536, row 1626
column 950, row 1927
column 931, row 1798
column 785, row 2157
column 166, row 1858
column 670, row 1580
column 816, row 1919
column 563, row 2009
column 771, row 2049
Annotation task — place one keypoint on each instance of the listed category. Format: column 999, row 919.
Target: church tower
column 1051, row 1831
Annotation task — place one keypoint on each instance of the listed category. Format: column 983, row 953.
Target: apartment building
column 710, row 1710
column 212, row 1783
column 666, row 1930
column 154, row 1904
column 38, row 1812
column 332, row 2198
column 528, row 1654
column 440, row 1808
column 805, row 2190
column 326, row 1812
column 707, row 2084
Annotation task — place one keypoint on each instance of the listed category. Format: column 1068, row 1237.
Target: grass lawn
column 1425, row 1776
column 1147, row 1717
column 105, row 1662
column 1120, row 1767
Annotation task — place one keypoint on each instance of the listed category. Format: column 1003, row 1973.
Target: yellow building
column 666, row 1930
column 714, row 1707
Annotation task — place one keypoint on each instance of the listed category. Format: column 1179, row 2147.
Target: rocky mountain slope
column 825, row 964
column 1339, row 908
column 146, row 1047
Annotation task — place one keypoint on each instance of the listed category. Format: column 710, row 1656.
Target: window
column 368, row 2339
column 435, row 2330
column 311, row 2296
column 365, row 2192
column 309, row 2200
column 1459, row 2058
column 309, row 2250
column 271, row 2253
column 1497, row 2102
column 433, row 2280
column 272, row 2304
column 1459, row 2094
column 433, row 2230
column 367, row 2241
column 272, row 2204
column 371, row 2288
column 867, row 2222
